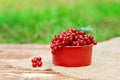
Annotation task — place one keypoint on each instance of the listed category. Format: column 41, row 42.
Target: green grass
column 37, row 21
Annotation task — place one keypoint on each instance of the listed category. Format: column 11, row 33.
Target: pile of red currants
column 36, row 62
column 71, row 37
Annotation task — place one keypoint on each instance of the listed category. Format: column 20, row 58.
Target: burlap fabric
column 105, row 62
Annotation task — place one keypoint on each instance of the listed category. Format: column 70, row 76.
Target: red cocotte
column 73, row 56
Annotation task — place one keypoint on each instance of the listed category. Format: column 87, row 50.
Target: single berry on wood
column 34, row 65
column 39, row 64
column 34, row 60
column 39, row 59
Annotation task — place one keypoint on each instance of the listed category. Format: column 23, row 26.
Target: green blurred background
column 37, row 21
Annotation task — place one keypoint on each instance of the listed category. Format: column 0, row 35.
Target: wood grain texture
column 24, row 51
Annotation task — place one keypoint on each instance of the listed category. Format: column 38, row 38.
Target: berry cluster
column 71, row 37
column 36, row 62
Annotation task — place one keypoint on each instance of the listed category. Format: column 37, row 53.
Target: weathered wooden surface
column 17, row 52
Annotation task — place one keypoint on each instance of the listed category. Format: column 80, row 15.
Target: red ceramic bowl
column 73, row 56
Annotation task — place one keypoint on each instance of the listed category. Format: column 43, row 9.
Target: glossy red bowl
column 73, row 56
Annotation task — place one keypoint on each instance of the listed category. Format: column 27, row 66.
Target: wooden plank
column 20, row 52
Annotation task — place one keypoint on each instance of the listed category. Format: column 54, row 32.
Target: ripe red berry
column 77, row 44
column 55, row 48
column 84, row 43
column 39, row 59
column 71, row 39
column 81, row 42
column 63, row 43
column 85, row 35
column 86, row 38
column 80, row 37
column 39, row 64
column 61, row 38
column 34, row 60
column 52, row 45
column 88, row 41
column 67, row 39
column 73, row 30
column 57, row 36
column 76, row 33
column 34, row 64
column 73, row 43
column 82, row 33
column 76, row 37
column 94, row 42
column 60, row 47
column 91, row 37
column 53, row 51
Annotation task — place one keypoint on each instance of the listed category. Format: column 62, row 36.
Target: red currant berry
column 88, row 41
column 39, row 58
column 59, row 47
column 86, row 38
column 63, row 43
column 82, row 33
column 71, row 39
column 61, row 38
column 76, row 37
column 91, row 37
column 84, row 43
column 85, row 35
column 34, row 60
column 94, row 42
column 76, row 33
column 80, row 37
column 73, row 43
column 73, row 30
column 77, row 44
column 52, row 46
column 34, row 64
column 53, row 51
column 81, row 42
column 39, row 64
column 55, row 48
